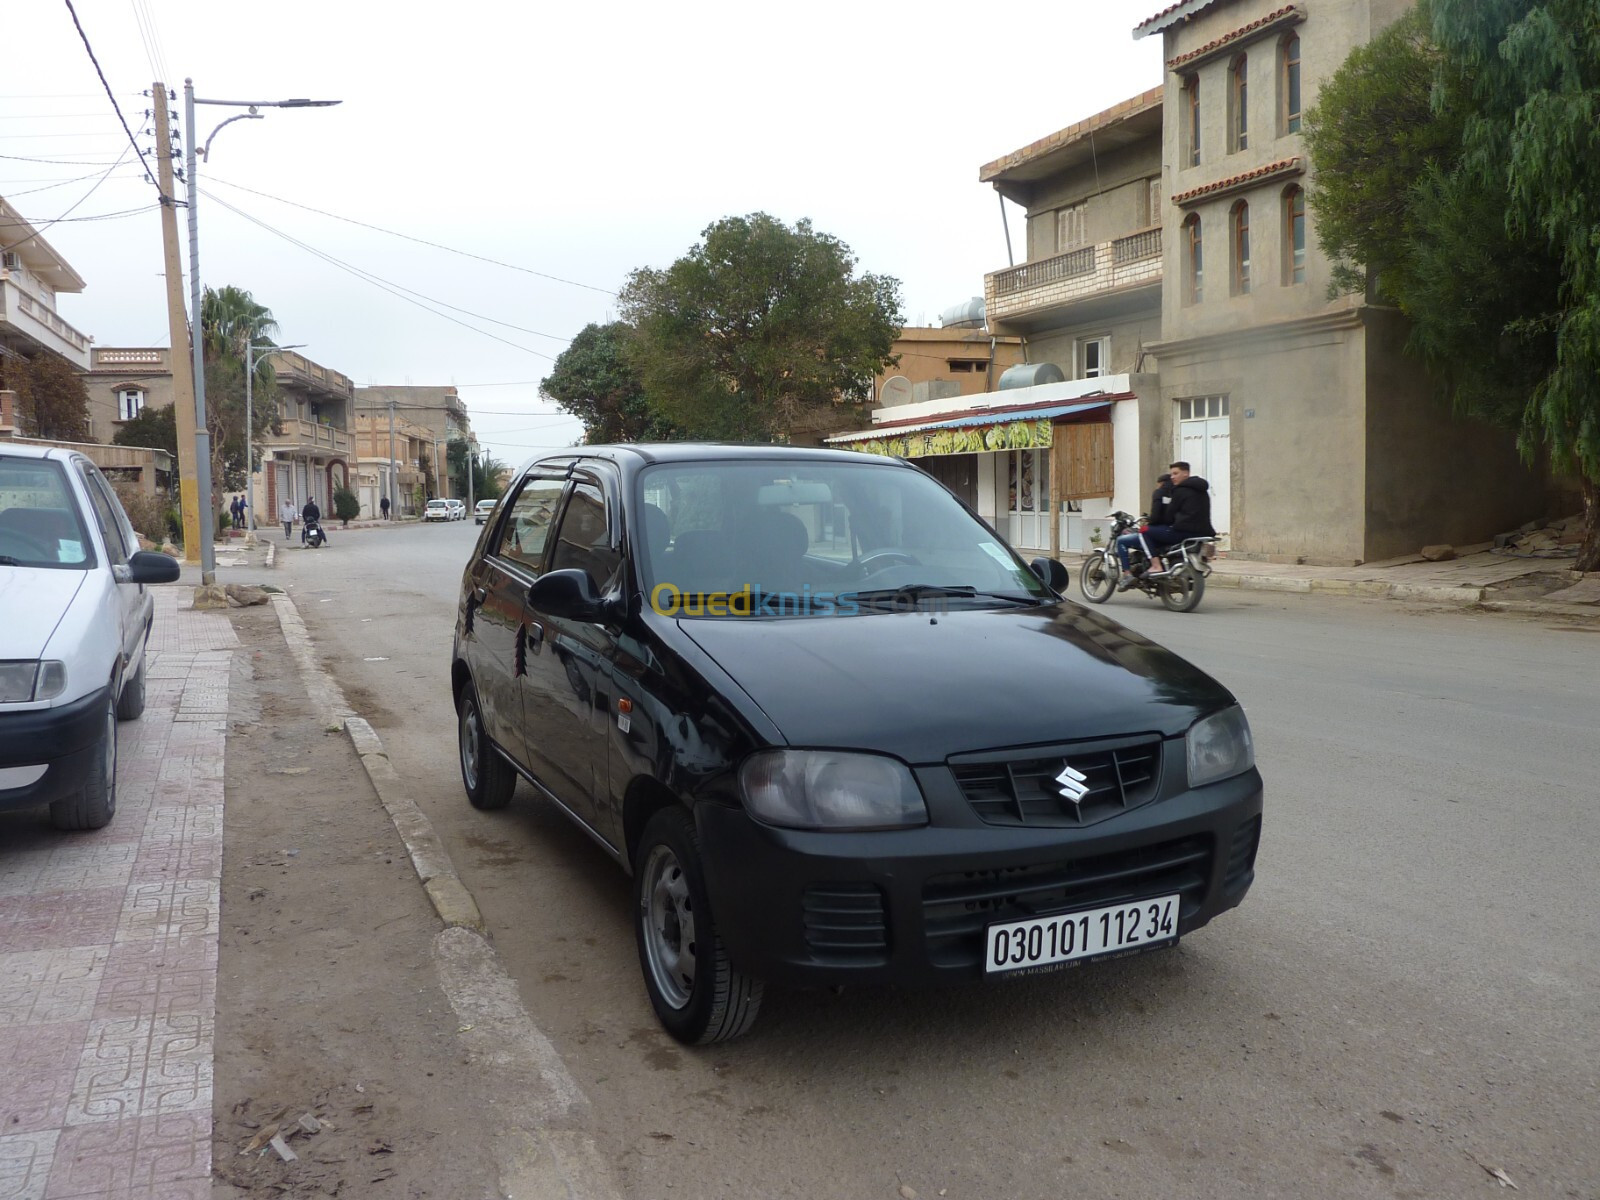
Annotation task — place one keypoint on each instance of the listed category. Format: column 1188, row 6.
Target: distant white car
column 75, row 615
column 438, row 510
column 458, row 510
column 480, row 514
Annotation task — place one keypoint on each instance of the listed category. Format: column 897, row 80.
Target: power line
column 381, row 284
column 408, row 237
column 59, row 162
column 47, row 187
column 110, row 95
column 93, row 188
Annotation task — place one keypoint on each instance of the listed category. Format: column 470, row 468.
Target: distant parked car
column 76, row 618
column 438, row 510
column 481, row 512
column 458, row 510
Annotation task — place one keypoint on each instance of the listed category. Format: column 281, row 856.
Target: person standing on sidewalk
column 287, row 514
column 383, row 506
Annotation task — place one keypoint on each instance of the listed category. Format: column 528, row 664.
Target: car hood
column 34, row 600
column 923, row 686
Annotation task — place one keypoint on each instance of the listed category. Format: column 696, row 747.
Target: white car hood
column 32, row 603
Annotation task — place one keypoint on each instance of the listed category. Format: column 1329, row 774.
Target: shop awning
column 1026, row 427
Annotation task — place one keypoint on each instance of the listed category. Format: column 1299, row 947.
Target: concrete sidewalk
column 108, row 950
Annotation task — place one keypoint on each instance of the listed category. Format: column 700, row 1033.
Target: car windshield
column 40, row 525
column 825, row 538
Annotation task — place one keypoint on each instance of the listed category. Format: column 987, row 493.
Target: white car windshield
column 864, row 536
column 40, row 525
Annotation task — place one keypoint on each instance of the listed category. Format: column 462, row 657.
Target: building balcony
column 1103, row 280
column 35, row 323
column 308, row 437
column 298, row 372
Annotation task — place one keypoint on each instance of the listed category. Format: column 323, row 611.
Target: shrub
column 345, row 505
column 148, row 513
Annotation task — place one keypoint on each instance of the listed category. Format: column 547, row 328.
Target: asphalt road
column 1408, row 999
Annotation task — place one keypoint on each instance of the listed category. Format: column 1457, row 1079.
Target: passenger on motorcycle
column 1160, row 499
column 1189, row 509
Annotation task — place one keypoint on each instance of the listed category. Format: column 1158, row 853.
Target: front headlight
column 826, row 789
column 24, row 682
column 1219, row 747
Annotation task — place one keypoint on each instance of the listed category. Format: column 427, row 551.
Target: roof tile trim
column 1290, row 12
column 1284, row 166
column 1171, row 15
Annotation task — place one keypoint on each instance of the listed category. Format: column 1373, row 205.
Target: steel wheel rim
column 669, row 932
column 111, row 756
column 470, row 749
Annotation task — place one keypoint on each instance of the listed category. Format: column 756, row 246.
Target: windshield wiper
column 924, row 591
column 7, row 561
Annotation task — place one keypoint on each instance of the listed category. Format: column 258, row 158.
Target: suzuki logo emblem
column 1074, row 784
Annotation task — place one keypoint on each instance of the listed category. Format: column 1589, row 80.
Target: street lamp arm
column 297, row 103
column 205, row 151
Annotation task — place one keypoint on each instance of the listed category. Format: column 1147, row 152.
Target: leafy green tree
column 346, row 505
column 485, row 471
column 595, row 381
column 759, row 326
column 231, row 320
column 52, row 402
column 1458, row 161
column 154, row 427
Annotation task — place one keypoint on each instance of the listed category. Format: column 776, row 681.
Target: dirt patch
column 327, row 1001
column 1529, row 587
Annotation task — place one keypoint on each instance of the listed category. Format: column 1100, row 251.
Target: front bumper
column 62, row 739
column 912, row 906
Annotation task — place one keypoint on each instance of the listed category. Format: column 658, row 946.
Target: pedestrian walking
column 383, row 507
column 287, row 514
column 244, row 512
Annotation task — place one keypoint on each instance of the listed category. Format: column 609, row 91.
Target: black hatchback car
column 836, row 729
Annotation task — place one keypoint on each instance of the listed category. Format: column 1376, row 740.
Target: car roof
column 644, row 453
column 18, row 450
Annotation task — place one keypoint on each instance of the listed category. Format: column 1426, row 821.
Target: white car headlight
column 23, row 682
column 1219, row 747
column 826, row 789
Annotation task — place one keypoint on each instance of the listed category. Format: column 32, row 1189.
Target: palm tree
column 230, row 321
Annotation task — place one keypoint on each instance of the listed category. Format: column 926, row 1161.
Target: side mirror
column 1052, row 572
column 569, row 594
column 150, row 566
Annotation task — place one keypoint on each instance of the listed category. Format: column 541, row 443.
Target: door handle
column 535, row 636
column 480, row 594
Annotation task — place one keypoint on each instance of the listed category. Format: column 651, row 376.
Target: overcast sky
column 577, row 140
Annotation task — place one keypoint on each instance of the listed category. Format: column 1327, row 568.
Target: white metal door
column 1203, row 442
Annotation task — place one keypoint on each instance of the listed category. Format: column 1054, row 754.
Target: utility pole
column 394, row 491
column 472, row 469
column 183, row 406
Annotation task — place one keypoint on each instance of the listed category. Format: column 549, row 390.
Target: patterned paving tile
column 169, row 909
column 194, row 858
column 58, row 920
column 40, row 1065
column 166, row 980
column 143, row 1066
column 39, row 986
column 25, row 1160
column 172, row 825
column 165, row 1157
column 81, row 866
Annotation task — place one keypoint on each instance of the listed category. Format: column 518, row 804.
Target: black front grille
column 845, row 923
column 1242, row 856
column 1029, row 791
column 957, row 908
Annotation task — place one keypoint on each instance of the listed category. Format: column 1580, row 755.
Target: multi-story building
column 32, row 274
column 122, row 382
column 438, row 410
column 387, row 457
column 312, row 454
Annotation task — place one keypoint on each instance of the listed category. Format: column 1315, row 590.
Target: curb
column 1374, row 589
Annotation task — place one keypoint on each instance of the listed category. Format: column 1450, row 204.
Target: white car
column 75, row 616
column 458, row 510
column 481, row 511
column 438, row 510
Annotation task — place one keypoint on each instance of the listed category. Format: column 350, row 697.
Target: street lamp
column 249, row 414
column 202, row 433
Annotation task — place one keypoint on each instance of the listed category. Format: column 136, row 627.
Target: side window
column 527, row 526
column 585, row 539
column 107, row 515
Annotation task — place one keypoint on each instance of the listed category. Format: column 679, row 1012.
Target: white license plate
column 1041, row 943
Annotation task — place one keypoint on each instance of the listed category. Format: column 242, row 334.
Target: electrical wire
column 58, row 162
column 408, row 237
column 38, row 229
column 381, row 284
column 110, row 95
column 47, row 187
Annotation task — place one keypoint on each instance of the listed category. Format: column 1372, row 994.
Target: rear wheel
column 93, row 805
column 1097, row 578
column 698, row 995
column 488, row 778
column 1182, row 591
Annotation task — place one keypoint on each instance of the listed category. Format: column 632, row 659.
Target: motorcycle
column 1178, row 586
column 315, row 538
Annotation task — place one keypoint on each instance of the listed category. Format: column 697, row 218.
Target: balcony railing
column 310, row 434
column 41, row 319
column 1076, row 275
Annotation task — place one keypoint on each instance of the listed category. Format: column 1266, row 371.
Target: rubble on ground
column 1558, row 539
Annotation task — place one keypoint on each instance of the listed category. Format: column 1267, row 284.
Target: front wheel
column 1182, row 591
column 93, row 805
column 698, row 995
column 1097, row 578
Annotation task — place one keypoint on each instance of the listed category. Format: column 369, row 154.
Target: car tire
column 697, row 993
column 1096, row 578
column 130, row 705
column 94, row 804
column 488, row 778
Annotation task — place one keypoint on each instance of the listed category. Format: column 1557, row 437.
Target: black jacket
column 1161, row 504
column 311, row 512
column 1191, row 508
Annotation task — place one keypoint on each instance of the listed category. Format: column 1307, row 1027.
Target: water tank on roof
column 1030, row 375
column 963, row 316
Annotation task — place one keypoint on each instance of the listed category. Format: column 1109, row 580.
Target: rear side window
column 108, row 515
column 40, row 523
column 526, row 528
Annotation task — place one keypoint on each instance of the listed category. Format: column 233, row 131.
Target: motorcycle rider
column 1160, row 514
column 310, row 515
column 1190, row 510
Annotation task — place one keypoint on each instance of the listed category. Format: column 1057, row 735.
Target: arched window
column 1238, row 104
column 1289, row 82
column 1190, row 150
column 130, row 403
column 1294, row 235
column 1240, row 247
column 1193, row 263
